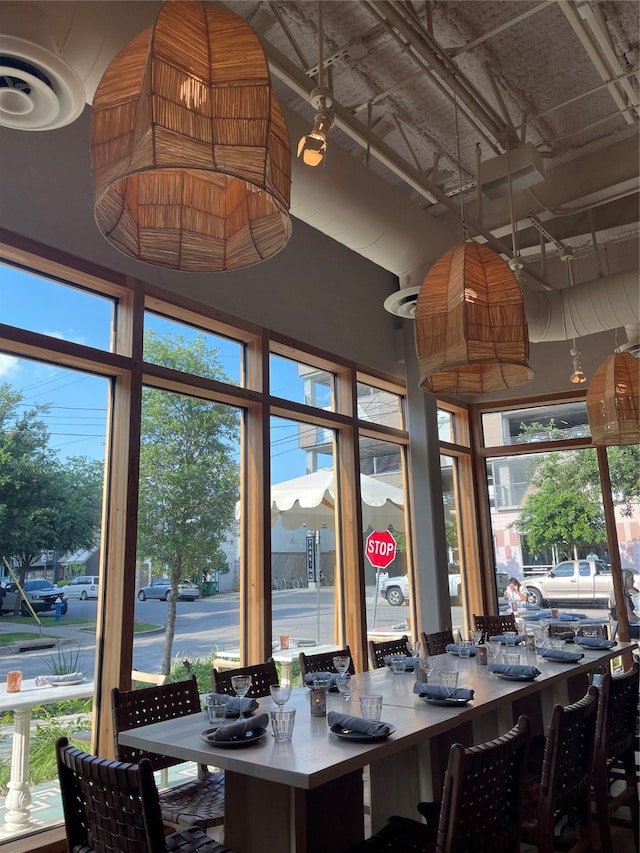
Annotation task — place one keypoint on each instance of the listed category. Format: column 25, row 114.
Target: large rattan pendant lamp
column 613, row 401
column 190, row 152
column 470, row 329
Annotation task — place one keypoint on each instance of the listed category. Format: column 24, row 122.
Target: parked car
column 83, row 587
column 161, row 589
column 396, row 589
column 42, row 595
column 583, row 581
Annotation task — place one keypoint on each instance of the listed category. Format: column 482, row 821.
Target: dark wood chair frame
column 198, row 802
column 492, row 626
column 378, row 651
column 263, row 676
column 323, row 662
column 117, row 803
column 436, row 643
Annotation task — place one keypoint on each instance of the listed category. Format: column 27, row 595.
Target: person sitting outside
column 515, row 593
column 632, row 615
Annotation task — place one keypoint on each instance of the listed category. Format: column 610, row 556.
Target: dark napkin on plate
column 560, row 654
column 333, row 687
column 514, row 669
column 594, row 642
column 236, row 731
column 538, row 614
column 373, row 728
column 452, row 648
column 409, row 663
column 440, row 691
column 236, row 705
column 41, row 680
column 500, row 638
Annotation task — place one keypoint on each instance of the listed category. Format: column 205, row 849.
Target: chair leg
column 601, row 799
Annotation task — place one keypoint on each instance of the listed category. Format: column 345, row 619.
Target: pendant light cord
column 465, row 235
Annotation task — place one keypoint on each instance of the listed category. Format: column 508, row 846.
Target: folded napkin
column 333, row 687
column 500, row 638
column 514, row 669
column 409, row 664
column 538, row 614
column 526, row 606
column 559, row 654
column 373, row 728
column 594, row 642
column 236, row 731
column 41, row 680
column 236, row 705
column 439, row 691
column 571, row 617
column 563, row 635
column 452, row 648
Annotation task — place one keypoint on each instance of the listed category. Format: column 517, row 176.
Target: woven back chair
column 378, row 651
column 480, row 808
column 263, row 675
column 437, row 642
column 323, row 662
column 561, row 786
column 491, row 626
column 198, row 802
column 614, row 758
column 114, row 805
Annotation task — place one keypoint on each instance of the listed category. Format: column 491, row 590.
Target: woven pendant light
column 470, row 329
column 613, row 401
column 190, row 152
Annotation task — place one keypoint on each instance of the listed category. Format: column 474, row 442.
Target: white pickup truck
column 584, row 581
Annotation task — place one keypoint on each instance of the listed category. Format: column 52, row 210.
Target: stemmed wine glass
column 496, row 648
column 341, row 663
column 426, row 665
column 280, row 693
column 241, row 685
column 346, row 684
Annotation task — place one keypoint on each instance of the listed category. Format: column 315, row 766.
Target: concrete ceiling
column 424, row 91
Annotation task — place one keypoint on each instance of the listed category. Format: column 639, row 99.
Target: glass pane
column 380, row 407
column 301, row 383
column 53, row 426
column 546, row 509
column 303, row 542
column 188, row 568
column 385, row 543
column 223, row 356
column 446, row 426
column 51, row 308
column 536, row 423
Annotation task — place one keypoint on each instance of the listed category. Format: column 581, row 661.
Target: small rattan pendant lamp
column 613, row 401
column 190, row 152
column 470, row 329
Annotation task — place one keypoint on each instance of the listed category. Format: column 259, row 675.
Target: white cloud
column 9, row 365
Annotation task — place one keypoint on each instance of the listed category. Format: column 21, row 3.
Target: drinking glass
column 510, row 659
column 426, row 665
column 464, row 650
column 346, row 684
column 241, row 684
column 217, row 708
column 371, row 707
column 280, row 693
column 474, row 636
column 510, row 638
column 282, row 722
column 496, row 648
column 449, row 679
column 398, row 664
column 341, row 663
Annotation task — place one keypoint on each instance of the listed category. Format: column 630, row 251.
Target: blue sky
column 78, row 402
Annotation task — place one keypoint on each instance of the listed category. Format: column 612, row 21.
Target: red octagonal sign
column 380, row 549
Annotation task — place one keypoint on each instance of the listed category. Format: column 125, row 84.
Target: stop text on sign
column 380, row 549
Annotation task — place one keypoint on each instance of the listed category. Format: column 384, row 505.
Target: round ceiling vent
column 402, row 303
column 38, row 90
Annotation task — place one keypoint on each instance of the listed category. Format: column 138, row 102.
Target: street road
column 201, row 627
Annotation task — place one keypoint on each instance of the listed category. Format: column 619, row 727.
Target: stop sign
column 380, row 549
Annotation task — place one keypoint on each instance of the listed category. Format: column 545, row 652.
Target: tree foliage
column 563, row 507
column 45, row 504
column 189, row 473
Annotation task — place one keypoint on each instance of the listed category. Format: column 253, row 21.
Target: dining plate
column 444, row 702
column 65, row 683
column 347, row 734
column 508, row 677
column 252, row 736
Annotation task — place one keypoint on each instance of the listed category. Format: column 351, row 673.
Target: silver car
column 161, row 589
column 42, row 595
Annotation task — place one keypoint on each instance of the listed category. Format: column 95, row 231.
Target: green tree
column 45, row 504
column 188, row 471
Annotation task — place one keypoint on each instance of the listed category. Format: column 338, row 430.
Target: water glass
column 322, row 680
column 510, row 659
column 216, row 708
column 426, row 666
column 14, row 681
column 398, row 664
column 449, row 678
column 371, row 707
column 282, row 722
column 341, row 663
column 510, row 638
column 464, row 650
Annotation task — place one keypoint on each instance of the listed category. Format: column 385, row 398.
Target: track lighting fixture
column 578, row 375
column 313, row 146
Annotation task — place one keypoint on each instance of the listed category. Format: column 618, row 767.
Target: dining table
column 308, row 796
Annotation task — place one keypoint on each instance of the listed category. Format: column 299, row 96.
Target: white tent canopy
column 310, row 501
